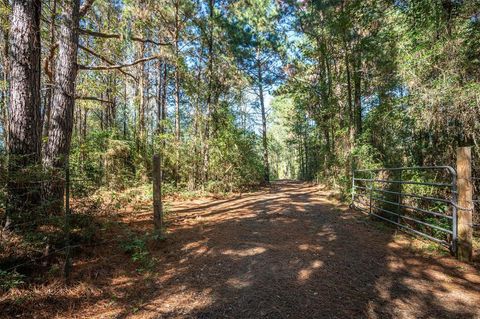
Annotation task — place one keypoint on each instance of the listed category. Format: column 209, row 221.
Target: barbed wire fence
column 17, row 218
column 55, row 214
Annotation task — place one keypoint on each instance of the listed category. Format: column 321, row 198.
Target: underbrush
column 106, row 218
column 138, row 247
column 10, row 279
column 36, row 254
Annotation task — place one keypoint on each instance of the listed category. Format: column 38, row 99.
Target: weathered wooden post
column 157, row 195
column 465, row 204
column 67, row 268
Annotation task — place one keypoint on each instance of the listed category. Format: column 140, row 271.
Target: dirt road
column 289, row 251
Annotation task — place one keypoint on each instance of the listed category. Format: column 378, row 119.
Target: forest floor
column 287, row 251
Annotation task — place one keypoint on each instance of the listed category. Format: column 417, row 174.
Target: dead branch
column 104, row 59
column 118, row 36
column 93, row 98
column 118, row 66
column 85, row 7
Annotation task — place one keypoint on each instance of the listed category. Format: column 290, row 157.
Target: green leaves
column 10, row 279
column 137, row 248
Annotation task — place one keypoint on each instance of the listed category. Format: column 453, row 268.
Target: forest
column 232, row 97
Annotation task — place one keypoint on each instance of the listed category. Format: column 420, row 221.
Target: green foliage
column 9, row 280
column 409, row 64
column 357, row 84
column 214, row 146
column 283, row 157
column 5, row 11
column 235, row 160
column 136, row 247
column 101, row 160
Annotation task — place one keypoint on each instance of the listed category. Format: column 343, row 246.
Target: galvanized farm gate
column 422, row 200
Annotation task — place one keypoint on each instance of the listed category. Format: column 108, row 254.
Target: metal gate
column 421, row 200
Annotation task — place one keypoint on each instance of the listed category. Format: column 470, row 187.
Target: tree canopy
column 235, row 93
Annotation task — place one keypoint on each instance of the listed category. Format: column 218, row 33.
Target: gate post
column 465, row 204
column 157, row 195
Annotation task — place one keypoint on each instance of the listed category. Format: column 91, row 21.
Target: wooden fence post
column 157, row 195
column 67, row 268
column 465, row 204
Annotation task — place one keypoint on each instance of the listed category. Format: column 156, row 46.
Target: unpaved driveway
column 292, row 252
column 288, row 251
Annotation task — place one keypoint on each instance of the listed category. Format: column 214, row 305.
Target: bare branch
column 93, row 98
column 85, row 7
column 118, row 36
column 104, row 59
column 118, row 66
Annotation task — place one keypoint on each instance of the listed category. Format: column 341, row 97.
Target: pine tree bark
column 305, row 149
column 177, row 92
column 266, row 177
column 111, row 105
column 357, row 102
column 159, row 128
column 50, row 73
column 351, row 124
column 206, row 135
column 24, row 129
column 141, row 128
column 164, row 99
column 125, row 98
column 61, row 124
column 5, row 87
column 141, row 113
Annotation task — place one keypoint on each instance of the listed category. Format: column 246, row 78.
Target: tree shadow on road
column 295, row 255
column 292, row 253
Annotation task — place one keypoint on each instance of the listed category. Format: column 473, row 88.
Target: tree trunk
column 177, row 93
column 302, row 160
column 164, row 100
column 50, row 73
column 141, row 104
column 60, row 132
column 197, row 131
column 351, row 124
column 357, row 103
column 305, row 150
column 125, row 97
column 206, row 135
column 164, row 113
column 159, row 99
column 111, row 105
column 5, row 88
column 157, row 194
column 24, row 130
column 266, row 177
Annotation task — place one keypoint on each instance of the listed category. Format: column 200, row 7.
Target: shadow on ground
column 285, row 252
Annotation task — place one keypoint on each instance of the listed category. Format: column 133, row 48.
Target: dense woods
column 380, row 84
column 231, row 95
column 110, row 83
column 115, row 82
